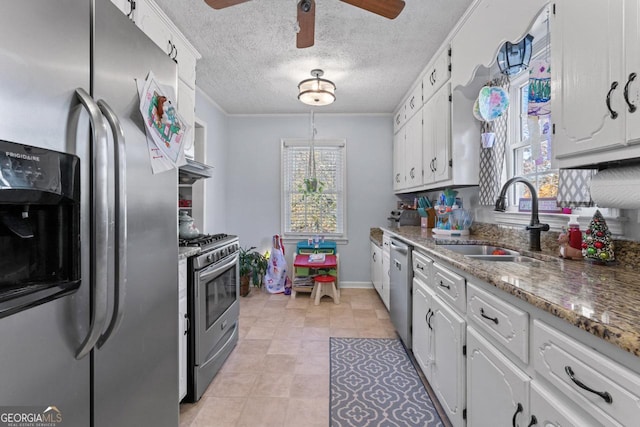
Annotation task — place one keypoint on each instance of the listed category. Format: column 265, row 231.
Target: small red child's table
column 304, row 271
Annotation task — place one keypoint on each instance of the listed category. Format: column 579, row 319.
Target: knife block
column 428, row 221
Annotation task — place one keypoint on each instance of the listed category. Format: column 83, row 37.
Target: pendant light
column 316, row 91
column 514, row 58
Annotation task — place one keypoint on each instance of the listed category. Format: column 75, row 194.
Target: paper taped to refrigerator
column 165, row 125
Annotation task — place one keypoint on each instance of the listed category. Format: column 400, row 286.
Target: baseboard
column 356, row 285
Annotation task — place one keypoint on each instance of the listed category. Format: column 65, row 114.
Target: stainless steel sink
column 488, row 253
column 479, row 250
column 503, row 258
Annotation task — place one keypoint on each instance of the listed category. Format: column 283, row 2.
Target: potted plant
column 253, row 266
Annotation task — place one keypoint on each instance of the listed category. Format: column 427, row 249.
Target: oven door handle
column 100, row 225
column 120, row 244
column 214, row 269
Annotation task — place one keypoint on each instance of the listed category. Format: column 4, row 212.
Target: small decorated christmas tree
column 596, row 240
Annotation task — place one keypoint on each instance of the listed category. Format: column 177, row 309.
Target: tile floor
column 278, row 374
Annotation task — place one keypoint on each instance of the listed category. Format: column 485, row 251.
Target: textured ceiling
column 250, row 64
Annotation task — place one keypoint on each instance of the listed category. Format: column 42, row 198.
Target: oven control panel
column 216, row 254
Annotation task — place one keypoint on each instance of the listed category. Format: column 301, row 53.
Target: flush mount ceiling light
column 513, row 58
column 316, row 91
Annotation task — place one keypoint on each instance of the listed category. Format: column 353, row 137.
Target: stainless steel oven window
column 220, row 289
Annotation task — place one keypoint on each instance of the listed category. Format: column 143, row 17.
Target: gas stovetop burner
column 202, row 240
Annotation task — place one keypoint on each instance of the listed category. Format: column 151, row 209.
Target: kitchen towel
column 617, row 188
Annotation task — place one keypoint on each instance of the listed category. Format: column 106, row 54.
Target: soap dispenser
column 575, row 235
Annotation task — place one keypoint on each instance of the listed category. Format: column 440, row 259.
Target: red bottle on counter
column 575, row 235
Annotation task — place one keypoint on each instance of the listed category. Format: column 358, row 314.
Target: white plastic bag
column 276, row 276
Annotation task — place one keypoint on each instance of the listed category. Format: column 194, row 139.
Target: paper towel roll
column 617, row 188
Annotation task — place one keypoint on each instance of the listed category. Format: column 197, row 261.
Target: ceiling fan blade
column 221, row 4
column 307, row 23
column 387, row 8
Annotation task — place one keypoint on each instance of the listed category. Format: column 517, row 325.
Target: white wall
column 216, row 153
column 253, row 178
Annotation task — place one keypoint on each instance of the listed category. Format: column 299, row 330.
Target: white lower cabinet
column 499, row 362
column 376, row 268
column 386, row 263
column 497, row 390
column 422, row 330
column 448, row 367
column 604, row 389
column 549, row 411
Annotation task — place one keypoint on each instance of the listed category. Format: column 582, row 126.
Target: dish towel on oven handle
column 275, row 279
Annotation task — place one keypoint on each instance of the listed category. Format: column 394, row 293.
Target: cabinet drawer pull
column 603, row 394
column 444, row 286
column 534, row 421
column 519, row 409
column 632, row 77
column 427, row 319
column 613, row 114
column 419, row 267
column 493, row 319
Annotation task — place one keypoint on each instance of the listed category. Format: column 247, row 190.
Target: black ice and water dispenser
column 39, row 226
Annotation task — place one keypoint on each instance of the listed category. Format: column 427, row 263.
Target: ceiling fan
column 307, row 13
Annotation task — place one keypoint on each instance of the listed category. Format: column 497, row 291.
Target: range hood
column 193, row 171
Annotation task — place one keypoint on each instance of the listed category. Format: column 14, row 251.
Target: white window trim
column 615, row 222
column 341, row 238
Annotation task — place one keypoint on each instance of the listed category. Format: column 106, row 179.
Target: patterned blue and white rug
column 373, row 383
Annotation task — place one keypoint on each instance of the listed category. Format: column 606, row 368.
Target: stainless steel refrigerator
column 48, row 50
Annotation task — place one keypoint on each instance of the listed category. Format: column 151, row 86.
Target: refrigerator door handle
column 100, row 224
column 120, row 162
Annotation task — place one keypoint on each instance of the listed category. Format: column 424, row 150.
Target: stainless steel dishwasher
column 400, row 290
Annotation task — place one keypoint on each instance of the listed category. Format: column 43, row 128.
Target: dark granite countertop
column 602, row 300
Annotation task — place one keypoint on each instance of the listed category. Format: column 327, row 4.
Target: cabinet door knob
column 614, row 115
column 632, row 108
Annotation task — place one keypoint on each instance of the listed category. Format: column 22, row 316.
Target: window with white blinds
column 320, row 212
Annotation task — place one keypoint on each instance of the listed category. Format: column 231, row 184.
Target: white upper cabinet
column 437, row 74
column 437, row 137
column 587, row 66
column 157, row 26
column 399, row 177
column 148, row 19
column 595, row 90
column 413, row 153
column 414, row 102
column 398, row 119
column 632, row 69
column 490, row 24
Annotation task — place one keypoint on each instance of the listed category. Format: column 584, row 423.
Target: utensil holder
column 429, row 221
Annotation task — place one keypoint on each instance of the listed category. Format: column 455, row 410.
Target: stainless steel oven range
column 213, row 308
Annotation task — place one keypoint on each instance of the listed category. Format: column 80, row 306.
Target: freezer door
column 135, row 371
column 44, row 57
